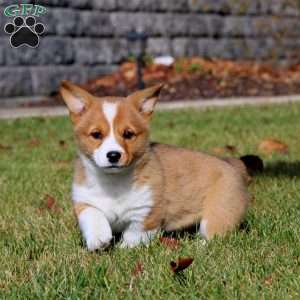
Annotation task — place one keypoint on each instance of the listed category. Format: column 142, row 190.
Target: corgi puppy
column 124, row 183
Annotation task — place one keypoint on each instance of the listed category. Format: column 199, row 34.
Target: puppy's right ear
column 76, row 99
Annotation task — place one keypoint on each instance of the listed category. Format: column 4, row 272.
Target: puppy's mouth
column 112, row 169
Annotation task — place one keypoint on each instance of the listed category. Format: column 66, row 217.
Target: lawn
column 41, row 252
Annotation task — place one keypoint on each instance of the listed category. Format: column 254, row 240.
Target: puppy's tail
column 254, row 164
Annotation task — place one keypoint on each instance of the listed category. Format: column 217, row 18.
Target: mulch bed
column 197, row 78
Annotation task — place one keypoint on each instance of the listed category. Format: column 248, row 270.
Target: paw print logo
column 24, row 32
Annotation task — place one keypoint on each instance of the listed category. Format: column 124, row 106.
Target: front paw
column 129, row 244
column 95, row 229
column 97, row 242
column 132, row 239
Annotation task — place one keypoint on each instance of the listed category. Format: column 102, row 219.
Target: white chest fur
column 115, row 195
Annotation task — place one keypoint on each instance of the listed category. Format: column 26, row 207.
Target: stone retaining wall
column 86, row 38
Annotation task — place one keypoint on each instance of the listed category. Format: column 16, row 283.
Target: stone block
column 214, row 24
column 192, row 47
column 51, row 51
column 141, row 5
column 60, row 21
column 104, row 4
column 59, row 3
column 179, row 24
column 95, row 23
column 179, row 46
column 207, row 6
column 198, row 25
column 173, row 6
column 65, row 21
column 15, row 82
column 237, row 26
column 151, row 23
column 46, row 79
column 285, row 7
column 159, row 46
column 99, row 51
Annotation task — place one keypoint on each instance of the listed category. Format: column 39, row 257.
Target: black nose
column 113, row 156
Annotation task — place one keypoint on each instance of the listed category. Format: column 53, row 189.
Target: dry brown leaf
column 138, row 269
column 268, row 280
column 34, row 142
column 49, row 204
column 213, row 78
column 106, row 81
column 181, row 264
column 63, row 144
column 272, row 145
column 5, row 147
column 171, row 243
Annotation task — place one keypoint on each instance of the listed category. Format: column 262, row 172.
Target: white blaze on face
column 109, row 143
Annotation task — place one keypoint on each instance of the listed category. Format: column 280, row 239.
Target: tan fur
column 79, row 173
column 194, row 187
column 79, row 208
column 240, row 167
column 187, row 186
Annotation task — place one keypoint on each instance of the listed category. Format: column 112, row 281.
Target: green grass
column 41, row 252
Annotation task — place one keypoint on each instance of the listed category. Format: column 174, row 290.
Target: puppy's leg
column 223, row 212
column 94, row 226
column 135, row 234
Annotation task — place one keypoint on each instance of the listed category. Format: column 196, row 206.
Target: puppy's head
column 112, row 132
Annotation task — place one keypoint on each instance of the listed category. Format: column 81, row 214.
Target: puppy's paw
column 97, row 242
column 130, row 243
column 95, row 229
column 132, row 238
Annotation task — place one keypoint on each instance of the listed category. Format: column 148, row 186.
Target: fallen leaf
column 34, row 143
column 170, row 124
column 63, row 144
column 5, row 147
column 268, row 280
column 195, row 77
column 272, row 145
column 169, row 242
column 138, row 269
column 181, row 264
column 107, row 81
column 226, row 149
column 49, row 204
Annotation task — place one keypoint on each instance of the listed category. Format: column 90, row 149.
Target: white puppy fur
column 117, row 206
column 110, row 143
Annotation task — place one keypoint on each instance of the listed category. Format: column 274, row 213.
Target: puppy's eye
column 96, row 135
column 128, row 134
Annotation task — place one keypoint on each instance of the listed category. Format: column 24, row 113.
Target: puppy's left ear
column 144, row 101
